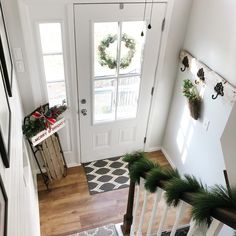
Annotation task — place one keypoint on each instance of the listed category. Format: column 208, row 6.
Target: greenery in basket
column 194, row 101
column 41, row 119
column 190, row 91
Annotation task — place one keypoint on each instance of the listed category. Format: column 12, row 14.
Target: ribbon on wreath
column 48, row 120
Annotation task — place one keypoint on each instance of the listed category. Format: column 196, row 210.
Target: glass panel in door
column 118, row 51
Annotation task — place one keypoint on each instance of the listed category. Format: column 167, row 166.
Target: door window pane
column 56, row 93
column 105, row 48
column 116, row 95
column 128, row 94
column 104, row 100
column 131, row 33
column 51, row 38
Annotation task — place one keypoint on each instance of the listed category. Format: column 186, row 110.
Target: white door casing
column 115, row 138
column 53, row 13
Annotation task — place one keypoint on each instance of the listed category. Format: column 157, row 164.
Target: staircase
column 135, row 217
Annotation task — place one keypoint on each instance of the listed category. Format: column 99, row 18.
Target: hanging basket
column 195, row 108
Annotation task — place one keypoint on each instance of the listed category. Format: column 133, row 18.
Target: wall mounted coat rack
column 185, row 63
column 219, row 88
column 206, row 75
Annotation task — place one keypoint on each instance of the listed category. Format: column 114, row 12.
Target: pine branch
column 176, row 187
column 157, row 174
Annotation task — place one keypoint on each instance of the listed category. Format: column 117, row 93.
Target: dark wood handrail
column 225, row 215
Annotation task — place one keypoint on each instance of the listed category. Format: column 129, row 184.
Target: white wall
column 228, row 146
column 166, row 78
column 211, row 39
column 23, row 211
column 14, row 29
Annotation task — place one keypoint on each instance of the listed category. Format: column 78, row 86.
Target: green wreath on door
column 107, row 60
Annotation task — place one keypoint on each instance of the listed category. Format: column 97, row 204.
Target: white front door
column 116, row 70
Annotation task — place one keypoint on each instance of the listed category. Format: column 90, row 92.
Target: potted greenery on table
column 194, row 100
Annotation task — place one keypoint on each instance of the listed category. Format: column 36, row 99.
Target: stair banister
column 220, row 216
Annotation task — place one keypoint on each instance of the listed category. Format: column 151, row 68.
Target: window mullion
column 53, row 54
column 118, row 63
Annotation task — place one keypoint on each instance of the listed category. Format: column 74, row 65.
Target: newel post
column 128, row 217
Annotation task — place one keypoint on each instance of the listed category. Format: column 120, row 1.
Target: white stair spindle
column 214, row 228
column 163, row 220
column 192, row 228
column 154, row 210
column 137, row 197
column 197, row 229
column 179, row 215
column 141, row 220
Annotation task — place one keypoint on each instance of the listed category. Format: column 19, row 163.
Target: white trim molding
column 168, row 157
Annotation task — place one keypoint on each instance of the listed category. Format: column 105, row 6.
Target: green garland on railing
column 205, row 200
column 177, row 186
column 139, row 167
column 157, row 174
column 133, row 157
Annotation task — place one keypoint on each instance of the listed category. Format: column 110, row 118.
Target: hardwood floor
column 69, row 208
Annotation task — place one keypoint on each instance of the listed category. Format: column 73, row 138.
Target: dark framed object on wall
column 3, row 209
column 5, row 53
column 5, row 123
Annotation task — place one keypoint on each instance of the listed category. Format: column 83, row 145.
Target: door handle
column 84, row 112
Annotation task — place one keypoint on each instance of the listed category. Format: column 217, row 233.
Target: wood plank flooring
column 69, row 208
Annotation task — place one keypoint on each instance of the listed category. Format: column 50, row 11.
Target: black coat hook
column 219, row 88
column 200, row 75
column 185, row 63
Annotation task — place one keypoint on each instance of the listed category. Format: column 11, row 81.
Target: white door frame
column 68, row 5
column 159, row 66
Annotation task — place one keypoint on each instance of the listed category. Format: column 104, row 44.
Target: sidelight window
column 53, row 62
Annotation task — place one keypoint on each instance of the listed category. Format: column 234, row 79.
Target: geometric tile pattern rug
column 106, row 175
column 108, row 230
column 180, row 232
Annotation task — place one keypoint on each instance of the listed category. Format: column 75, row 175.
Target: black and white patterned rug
column 108, row 230
column 182, row 231
column 106, row 175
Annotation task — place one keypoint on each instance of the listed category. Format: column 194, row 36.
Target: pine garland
column 133, row 157
column 138, row 168
column 157, row 174
column 205, row 202
column 176, row 187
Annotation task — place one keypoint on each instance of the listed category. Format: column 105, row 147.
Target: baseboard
column 37, row 171
column 168, row 157
column 73, row 165
column 152, row 149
